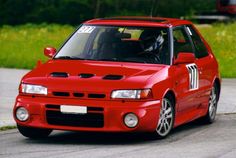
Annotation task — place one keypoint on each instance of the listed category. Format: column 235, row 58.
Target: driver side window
column 181, row 41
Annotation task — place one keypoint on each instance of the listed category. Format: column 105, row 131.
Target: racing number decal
column 193, row 76
column 86, row 29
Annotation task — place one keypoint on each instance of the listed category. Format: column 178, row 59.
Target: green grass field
column 222, row 39
column 22, row 46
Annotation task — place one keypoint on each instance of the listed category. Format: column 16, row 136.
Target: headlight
column 132, row 94
column 33, row 89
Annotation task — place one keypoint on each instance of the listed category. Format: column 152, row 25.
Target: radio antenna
column 153, row 7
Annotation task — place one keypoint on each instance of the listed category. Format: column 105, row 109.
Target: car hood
column 96, row 76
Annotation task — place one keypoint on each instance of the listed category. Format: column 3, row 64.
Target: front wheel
column 166, row 118
column 34, row 133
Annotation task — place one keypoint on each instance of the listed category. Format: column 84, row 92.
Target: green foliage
column 180, row 8
column 22, row 46
column 14, row 12
column 222, row 40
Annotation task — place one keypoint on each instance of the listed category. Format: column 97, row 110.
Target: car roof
column 138, row 21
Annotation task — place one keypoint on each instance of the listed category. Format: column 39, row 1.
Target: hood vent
column 112, row 77
column 84, row 75
column 59, row 74
column 79, row 95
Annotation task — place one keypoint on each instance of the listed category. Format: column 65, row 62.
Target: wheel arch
column 171, row 94
column 217, row 81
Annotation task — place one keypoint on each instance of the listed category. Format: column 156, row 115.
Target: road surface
column 191, row 140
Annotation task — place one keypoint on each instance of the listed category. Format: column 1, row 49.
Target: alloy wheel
column 212, row 104
column 165, row 122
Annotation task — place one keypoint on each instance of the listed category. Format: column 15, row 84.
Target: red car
column 227, row 6
column 123, row 74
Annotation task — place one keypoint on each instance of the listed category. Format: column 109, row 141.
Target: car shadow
column 102, row 138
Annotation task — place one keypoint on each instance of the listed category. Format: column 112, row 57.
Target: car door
column 186, row 76
column 203, row 62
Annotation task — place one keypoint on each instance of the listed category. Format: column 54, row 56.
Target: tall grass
column 22, row 46
column 222, row 39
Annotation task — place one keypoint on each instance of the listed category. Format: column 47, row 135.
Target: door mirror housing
column 50, row 51
column 184, row 58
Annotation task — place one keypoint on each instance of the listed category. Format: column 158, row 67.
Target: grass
column 22, row 46
column 222, row 39
column 7, row 128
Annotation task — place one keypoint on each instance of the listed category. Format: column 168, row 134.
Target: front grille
column 78, row 95
column 96, row 95
column 95, row 120
column 61, row 94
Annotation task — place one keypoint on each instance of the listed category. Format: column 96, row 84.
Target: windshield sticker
column 86, row 29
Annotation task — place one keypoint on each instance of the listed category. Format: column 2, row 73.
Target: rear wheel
column 166, row 117
column 212, row 107
column 34, row 133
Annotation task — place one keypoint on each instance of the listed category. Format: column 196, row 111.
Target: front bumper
column 113, row 113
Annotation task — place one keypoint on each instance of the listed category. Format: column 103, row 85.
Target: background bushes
column 14, row 12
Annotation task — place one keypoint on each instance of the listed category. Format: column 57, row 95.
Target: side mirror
column 184, row 57
column 50, row 51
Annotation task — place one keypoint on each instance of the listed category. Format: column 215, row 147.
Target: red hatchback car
column 123, row 74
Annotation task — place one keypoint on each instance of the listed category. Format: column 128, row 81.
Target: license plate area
column 73, row 109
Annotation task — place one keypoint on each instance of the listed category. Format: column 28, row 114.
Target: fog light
column 22, row 114
column 131, row 120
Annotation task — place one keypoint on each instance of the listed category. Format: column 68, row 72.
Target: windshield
column 121, row 44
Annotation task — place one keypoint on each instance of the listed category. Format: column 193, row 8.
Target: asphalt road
column 191, row 140
column 9, row 82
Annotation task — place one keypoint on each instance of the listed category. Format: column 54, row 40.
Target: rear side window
column 181, row 41
column 200, row 48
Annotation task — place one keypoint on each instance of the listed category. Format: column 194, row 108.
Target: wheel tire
column 166, row 117
column 212, row 106
column 34, row 133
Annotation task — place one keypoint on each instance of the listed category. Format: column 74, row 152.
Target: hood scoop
column 59, row 74
column 112, row 77
column 85, row 75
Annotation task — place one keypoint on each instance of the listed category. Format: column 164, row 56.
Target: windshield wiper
column 123, row 60
column 108, row 59
column 69, row 57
